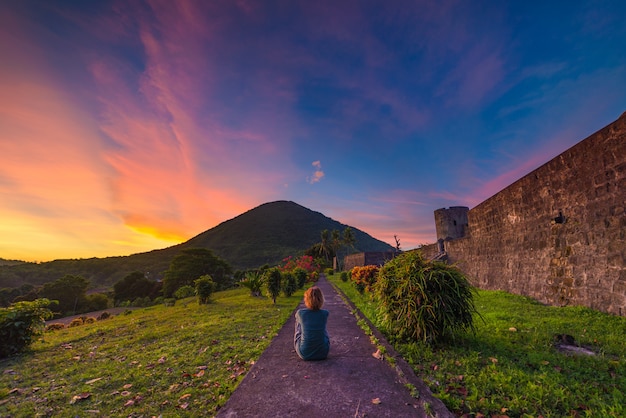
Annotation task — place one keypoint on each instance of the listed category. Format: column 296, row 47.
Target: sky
column 131, row 126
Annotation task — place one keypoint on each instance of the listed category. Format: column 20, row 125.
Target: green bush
column 273, row 278
column 204, row 289
column 329, row 271
column 344, row 276
column 184, row 292
column 289, row 283
column 20, row 323
column 423, row 300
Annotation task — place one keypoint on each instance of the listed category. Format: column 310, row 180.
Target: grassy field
column 181, row 361
column 511, row 367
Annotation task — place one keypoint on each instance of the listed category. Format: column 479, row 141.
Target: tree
column 133, row 286
column 69, row 291
column 325, row 244
column 348, row 237
column 192, row 263
column 289, row 283
column 273, row 278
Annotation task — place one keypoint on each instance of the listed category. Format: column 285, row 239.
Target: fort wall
column 557, row 234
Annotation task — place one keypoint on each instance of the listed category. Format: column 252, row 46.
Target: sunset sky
column 127, row 126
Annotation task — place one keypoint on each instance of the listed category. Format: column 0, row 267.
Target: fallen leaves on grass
column 80, row 397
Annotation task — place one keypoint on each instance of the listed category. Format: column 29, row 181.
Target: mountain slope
column 265, row 234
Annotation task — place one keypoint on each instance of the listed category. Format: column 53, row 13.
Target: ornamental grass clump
column 423, row 300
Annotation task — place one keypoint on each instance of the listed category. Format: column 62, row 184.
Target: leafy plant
column 423, row 300
column 204, row 289
column 273, row 278
column 343, row 276
column 20, row 323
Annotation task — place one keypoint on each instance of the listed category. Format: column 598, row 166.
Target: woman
column 311, row 339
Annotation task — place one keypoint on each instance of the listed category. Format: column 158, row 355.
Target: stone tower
column 450, row 223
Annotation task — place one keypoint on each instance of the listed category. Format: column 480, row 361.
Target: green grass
column 510, row 366
column 181, row 361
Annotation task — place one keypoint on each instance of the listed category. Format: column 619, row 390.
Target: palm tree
column 325, row 244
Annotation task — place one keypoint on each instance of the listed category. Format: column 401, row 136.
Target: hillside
column 265, row 234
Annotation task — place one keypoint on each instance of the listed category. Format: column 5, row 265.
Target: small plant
column 204, row 289
column 344, row 276
column 364, row 277
column 273, row 279
column 89, row 320
column 329, row 271
column 423, row 300
column 289, row 284
column 254, row 282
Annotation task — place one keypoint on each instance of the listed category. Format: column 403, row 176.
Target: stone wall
column 559, row 233
column 374, row 258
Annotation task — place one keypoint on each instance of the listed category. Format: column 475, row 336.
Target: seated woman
column 311, row 339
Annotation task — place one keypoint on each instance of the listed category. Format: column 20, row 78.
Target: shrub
column 273, row 279
column 301, row 276
column 254, row 282
column 329, row 271
column 96, row 302
column 289, row 284
column 89, row 320
column 344, row 276
column 20, row 323
column 423, row 300
column 55, row 327
column 314, row 276
column 184, row 292
column 364, row 277
column 76, row 322
column 204, row 289
column 142, row 302
column 169, row 301
column 103, row 315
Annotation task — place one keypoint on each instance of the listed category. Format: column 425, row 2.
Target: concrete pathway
column 351, row 382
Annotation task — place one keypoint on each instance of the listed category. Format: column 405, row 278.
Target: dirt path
column 67, row 319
